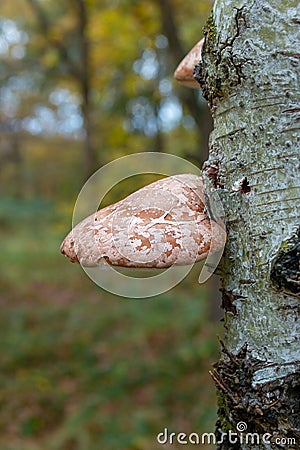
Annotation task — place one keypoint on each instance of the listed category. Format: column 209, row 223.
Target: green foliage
column 128, row 74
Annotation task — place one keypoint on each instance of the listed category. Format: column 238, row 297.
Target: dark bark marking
column 212, row 171
column 227, row 301
column 243, row 186
column 285, row 269
column 219, row 71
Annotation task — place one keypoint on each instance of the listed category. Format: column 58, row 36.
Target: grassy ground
column 84, row 370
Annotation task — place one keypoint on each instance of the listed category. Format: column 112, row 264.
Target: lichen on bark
column 250, row 76
column 219, row 72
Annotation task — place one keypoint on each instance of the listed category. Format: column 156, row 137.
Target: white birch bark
column 250, row 76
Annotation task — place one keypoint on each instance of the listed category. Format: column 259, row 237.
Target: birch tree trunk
column 250, row 77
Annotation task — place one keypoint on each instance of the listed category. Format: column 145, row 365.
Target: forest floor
column 81, row 369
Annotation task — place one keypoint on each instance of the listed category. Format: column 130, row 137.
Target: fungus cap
column 161, row 224
column 184, row 72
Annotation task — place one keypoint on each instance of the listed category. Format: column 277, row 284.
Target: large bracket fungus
column 163, row 224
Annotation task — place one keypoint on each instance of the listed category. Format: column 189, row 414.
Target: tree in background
column 101, row 77
column 250, row 77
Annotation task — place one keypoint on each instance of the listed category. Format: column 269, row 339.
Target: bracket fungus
column 184, row 72
column 162, row 224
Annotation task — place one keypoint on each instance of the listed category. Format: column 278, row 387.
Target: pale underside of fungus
column 162, row 224
column 184, row 72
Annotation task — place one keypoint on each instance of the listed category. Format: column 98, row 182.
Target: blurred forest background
column 84, row 82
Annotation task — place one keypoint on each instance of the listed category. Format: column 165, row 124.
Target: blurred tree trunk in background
column 189, row 97
column 91, row 162
column 79, row 70
column 250, row 77
column 73, row 49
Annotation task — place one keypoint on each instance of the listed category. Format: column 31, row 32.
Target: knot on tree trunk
column 285, row 271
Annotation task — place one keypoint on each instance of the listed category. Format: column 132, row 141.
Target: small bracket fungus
column 162, row 224
column 184, row 72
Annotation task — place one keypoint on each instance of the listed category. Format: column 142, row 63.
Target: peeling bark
column 250, row 77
